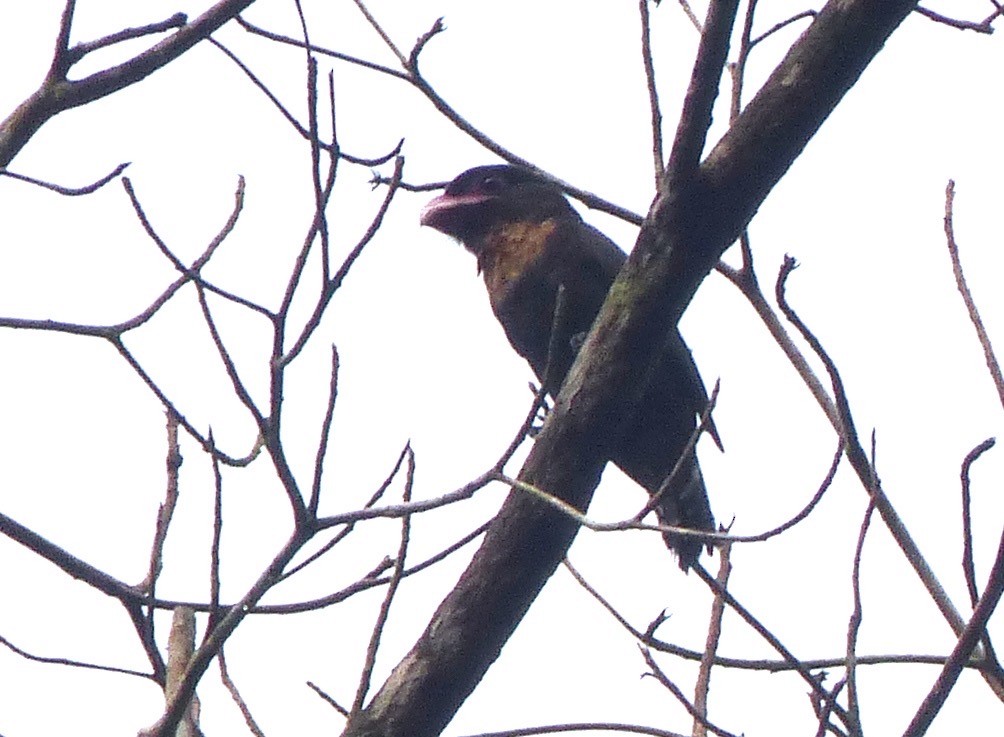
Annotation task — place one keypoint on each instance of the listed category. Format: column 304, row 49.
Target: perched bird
column 529, row 242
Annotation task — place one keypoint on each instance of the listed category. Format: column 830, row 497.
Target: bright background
column 422, row 359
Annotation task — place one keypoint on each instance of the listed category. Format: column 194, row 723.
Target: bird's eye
column 492, row 185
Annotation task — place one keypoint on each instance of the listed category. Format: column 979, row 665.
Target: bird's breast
column 509, row 253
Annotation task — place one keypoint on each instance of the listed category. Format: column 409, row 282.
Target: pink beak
column 437, row 211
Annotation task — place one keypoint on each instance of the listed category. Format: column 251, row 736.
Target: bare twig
column 402, row 510
column 798, row 665
column 703, row 687
column 771, row 666
column 293, row 282
column 194, row 272
column 559, row 318
column 235, row 694
column 998, row 12
column 854, row 626
column 60, row 56
column 824, row 709
column 807, row 509
column 691, row 15
column 737, row 72
column 191, row 273
column 68, row 191
column 68, row 563
column 338, row 277
column 968, row 567
column 132, row 600
column 171, row 407
column 68, row 662
column 369, row 581
column 525, row 430
column 960, row 281
column 705, row 79
column 236, row 382
column 983, row 26
column 634, row 523
column 303, row 131
column 214, row 548
column 781, row 25
column 658, row 161
column 205, row 654
column 327, row 697
column 974, row 630
column 862, row 467
column 395, row 580
column 746, row 281
column 354, row 60
column 581, row 727
column 321, row 193
column 115, row 331
column 668, row 684
column 322, row 445
column 166, row 510
column 350, row 526
column 382, row 33
column 78, row 52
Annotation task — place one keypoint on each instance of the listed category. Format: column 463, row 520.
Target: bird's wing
column 603, row 256
column 697, row 391
column 599, row 252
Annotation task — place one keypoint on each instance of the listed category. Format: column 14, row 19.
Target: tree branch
column 58, row 93
column 965, row 646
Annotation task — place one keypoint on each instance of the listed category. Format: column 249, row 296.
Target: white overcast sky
column 560, row 83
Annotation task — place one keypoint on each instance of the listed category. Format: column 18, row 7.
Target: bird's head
column 488, row 197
